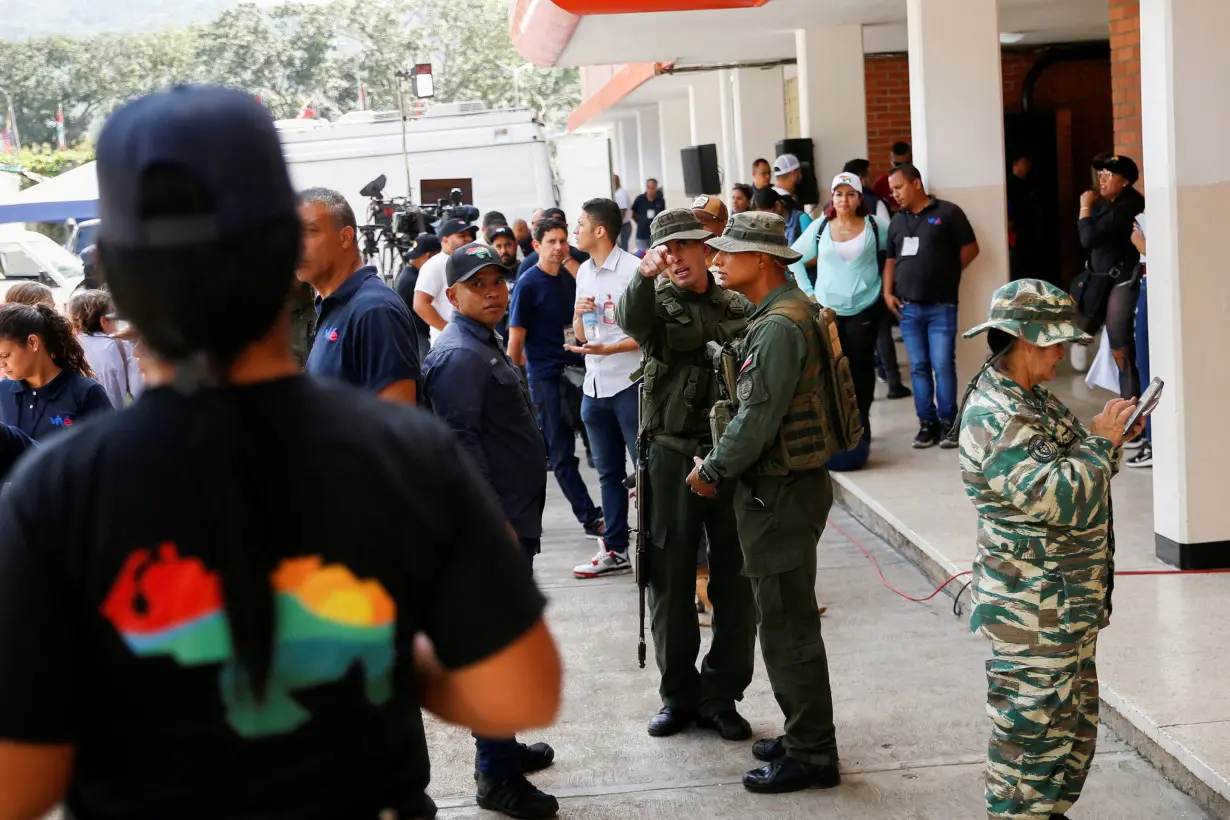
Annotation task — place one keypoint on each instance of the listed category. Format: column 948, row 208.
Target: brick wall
column 888, row 106
column 1125, row 77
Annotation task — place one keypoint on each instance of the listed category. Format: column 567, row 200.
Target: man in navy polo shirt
column 477, row 391
column 364, row 335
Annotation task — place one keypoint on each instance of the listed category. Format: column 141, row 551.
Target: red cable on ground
column 940, row 588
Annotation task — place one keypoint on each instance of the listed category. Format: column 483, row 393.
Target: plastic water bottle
column 590, row 321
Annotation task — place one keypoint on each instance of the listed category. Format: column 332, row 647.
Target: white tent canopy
column 71, row 195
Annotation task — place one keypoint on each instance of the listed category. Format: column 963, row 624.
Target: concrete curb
column 1176, row 763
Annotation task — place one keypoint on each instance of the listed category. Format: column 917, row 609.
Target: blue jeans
column 611, row 423
column 562, row 446
column 930, row 333
column 625, row 233
column 1142, row 344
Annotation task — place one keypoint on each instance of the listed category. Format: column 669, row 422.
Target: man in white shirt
column 609, row 407
column 625, row 212
column 430, row 296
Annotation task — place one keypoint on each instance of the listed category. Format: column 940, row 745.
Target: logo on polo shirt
column 62, row 421
column 935, row 220
column 331, row 334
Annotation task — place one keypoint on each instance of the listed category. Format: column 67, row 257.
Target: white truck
column 501, row 160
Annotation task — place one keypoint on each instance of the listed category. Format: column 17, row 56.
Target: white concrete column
column 727, row 158
column 705, row 112
column 675, row 126
column 627, row 161
column 832, row 95
column 759, row 96
column 649, row 147
column 1187, row 179
column 957, row 107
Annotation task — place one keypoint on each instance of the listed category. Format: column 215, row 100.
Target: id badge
column 909, row 246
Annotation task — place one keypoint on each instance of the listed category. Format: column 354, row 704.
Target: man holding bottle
column 609, row 406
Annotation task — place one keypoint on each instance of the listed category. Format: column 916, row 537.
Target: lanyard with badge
column 909, row 244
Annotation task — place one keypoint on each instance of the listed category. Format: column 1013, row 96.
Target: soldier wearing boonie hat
column 1044, row 569
column 774, row 450
column 673, row 322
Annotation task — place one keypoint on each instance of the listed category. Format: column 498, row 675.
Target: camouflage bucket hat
column 1035, row 311
column 677, row 223
column 756, row 232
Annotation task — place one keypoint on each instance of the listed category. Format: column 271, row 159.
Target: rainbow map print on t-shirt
column 327, row 621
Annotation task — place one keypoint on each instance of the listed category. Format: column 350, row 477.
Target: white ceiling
column 707, row 37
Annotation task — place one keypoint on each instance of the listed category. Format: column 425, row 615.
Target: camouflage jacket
column 1041, row 485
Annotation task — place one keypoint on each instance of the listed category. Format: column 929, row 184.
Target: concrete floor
column 908, row 687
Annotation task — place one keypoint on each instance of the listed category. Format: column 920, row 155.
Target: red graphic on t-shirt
column 153, row 593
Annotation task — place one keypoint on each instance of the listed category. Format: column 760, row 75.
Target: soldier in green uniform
column 773, row 452
column 673, row 322
column 1044, row 570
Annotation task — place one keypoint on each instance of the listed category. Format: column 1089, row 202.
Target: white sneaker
column 605, row 563
column 1134, row 444
column 1144, row 458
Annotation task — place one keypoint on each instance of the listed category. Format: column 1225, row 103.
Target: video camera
column 393, row 223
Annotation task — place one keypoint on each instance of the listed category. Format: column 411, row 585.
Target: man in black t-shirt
column 426, row 245
column 930, row 242
column 221, row 654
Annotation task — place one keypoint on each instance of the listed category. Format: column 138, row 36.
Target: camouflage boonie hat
column 677, row 223
column 1035, row 311
column 756, row 232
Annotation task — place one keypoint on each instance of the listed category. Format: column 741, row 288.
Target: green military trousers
column 780, row 523
column 1044, row 713
column 677, row 518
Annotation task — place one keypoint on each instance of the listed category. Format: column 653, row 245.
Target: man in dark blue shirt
column 364, row 335
column 426, row 246
column 476, row 390
column 543, row 303
column 575, row 256
column 644, row 208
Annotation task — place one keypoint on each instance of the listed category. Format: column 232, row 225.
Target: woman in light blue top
column 847, row 248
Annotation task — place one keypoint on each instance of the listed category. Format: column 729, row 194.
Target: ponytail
column 19, row 322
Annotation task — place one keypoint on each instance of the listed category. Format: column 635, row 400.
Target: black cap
column 180, row 265
column 470, row 259
column 503, row 230
column 1117, row 164
column 424, row 244
column 554, row 213
column 455, row 226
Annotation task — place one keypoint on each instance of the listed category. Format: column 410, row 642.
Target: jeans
column 859, row 335
column 625, row 233
column 561, row 446
column 1120, row 327
column 1142, row 344
column 611, row 423
column 930, row 333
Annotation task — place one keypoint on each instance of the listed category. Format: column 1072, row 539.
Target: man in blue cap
column 477, row 391
column 223, row 631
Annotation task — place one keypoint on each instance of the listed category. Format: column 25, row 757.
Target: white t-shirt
column 433, row 280
column 607, row 375
column 851, row 248
column 114, row 364
column 1140, row 220
column 625, row 205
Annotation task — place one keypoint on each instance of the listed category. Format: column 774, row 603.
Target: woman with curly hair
column 111, row 358
column 50, row 384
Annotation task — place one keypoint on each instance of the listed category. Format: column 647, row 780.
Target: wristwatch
column 704, row 476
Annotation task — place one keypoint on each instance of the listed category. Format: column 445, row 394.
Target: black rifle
column 642, row 524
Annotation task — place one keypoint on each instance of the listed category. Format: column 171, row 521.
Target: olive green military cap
column 677, row 223
column 756, row 232
column 1035, row 311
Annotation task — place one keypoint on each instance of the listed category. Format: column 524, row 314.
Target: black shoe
column 516, row 797
column 670, row 721
column 595, row 528
column 769, row 750
column 928, row 436
column 950, row 436
column 790, row 775
column 1143, row 457
column 899, row 391
column 630, row 482
column 727, row 723
column 535, row 758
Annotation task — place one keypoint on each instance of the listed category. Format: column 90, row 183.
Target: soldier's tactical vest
column 679, row 385
column 822, row 419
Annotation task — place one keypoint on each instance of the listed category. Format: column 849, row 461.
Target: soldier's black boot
column 535, row 758
column 790, row 775
column 769, row 750
column 670, row 721
column 515, row 797
column 728, row 723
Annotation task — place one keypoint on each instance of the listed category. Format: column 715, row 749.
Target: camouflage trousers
column 1044, row 714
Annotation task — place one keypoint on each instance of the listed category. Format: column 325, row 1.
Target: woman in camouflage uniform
column 1044, row 570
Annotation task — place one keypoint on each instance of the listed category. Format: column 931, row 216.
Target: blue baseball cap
column 424, row 244
column 200, row 226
